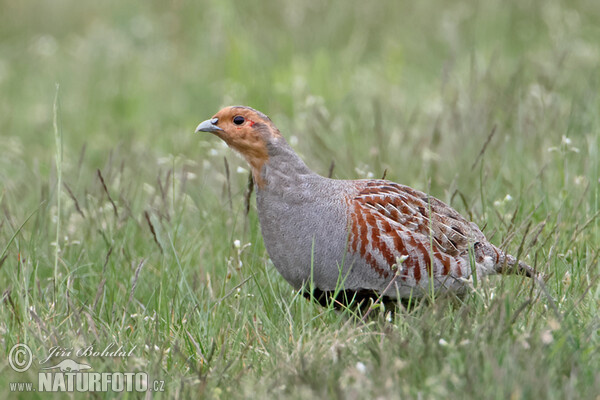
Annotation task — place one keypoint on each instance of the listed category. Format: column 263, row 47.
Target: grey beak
column 210, row 125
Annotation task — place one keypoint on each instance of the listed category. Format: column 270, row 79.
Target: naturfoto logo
column 68, row 375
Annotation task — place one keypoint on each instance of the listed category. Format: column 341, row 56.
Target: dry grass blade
column 39, row 321
column 147, row 216
column 196, row 346
column 228, row 183
column 232, row 291
column 6, row 297
column 522, row 244
column 578, row 230
column 81, row 157
column 536, row 235
column 72, row 196
column 3, row 254
column 135, row 280
column 464, row 201
column 331, row 167
column 163, row 195
column 92, row 325
column 110, row 250
column 114, row 206
column 519, row 310
column 248, row 193
column 379, row 299
column 485, row 145
column 99, row 293
column 58, row 159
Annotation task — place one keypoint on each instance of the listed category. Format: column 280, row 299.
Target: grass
column 152, row 255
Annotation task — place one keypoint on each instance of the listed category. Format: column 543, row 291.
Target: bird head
column 245, row 130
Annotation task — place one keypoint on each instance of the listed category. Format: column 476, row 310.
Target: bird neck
column 283, row 168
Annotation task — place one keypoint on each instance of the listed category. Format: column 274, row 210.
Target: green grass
column 415, row 89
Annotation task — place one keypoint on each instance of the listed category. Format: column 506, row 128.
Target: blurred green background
column 414, row 88
column 139, row 76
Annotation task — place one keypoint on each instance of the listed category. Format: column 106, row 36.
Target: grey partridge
column 356, row 235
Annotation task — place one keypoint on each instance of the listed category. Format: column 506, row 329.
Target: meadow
column 120, row 225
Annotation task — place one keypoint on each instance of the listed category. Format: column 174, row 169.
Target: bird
column 354, row 239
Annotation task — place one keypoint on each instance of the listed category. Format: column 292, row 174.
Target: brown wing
column 389, row 220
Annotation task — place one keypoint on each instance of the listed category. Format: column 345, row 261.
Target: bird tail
column 509, row 265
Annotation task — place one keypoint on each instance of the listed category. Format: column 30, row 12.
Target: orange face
column 245, row 130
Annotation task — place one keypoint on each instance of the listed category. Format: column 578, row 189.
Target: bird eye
column 238, row 120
